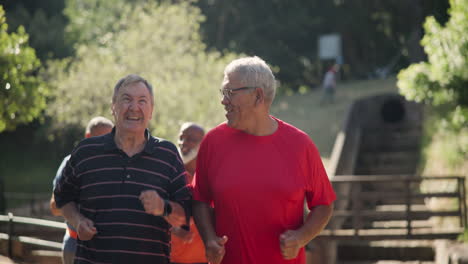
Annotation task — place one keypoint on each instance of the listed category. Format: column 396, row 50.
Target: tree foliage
column 160, row 42
column 443, row 79
column 93, row 21
column 375, row 34
column 380, row 35
column 45, row 24
column 22, row 93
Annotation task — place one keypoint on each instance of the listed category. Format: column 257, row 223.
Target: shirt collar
column 109, row 142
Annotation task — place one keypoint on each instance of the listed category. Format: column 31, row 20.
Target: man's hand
column 152, row 202
column 290, row 244
column 215, row 250
column 85, row 229
column 186, row 236
column 176, row 219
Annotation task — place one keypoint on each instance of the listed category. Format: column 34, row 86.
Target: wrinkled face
column 189, row 141
column 240, row 104
column 133, row 108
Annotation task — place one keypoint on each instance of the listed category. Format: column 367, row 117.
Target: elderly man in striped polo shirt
column 122, row 191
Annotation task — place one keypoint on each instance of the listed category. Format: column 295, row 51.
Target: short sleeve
column 59, row 170
column 67, row 187
column 319, row 190
column 201, row 186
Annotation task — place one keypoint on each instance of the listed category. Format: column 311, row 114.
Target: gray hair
column 254, row 72
column 96, row 122
column 187, row 125
column 131, row 79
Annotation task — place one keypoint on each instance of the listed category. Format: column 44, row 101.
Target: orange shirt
column 193, row 252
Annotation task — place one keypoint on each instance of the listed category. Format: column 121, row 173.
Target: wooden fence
column 27, row 230
column 394, row 207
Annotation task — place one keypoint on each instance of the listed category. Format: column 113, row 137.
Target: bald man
column 187, row 246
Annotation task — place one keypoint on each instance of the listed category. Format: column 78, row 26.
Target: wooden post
column 408, row 207
column 10, row 235
column 463, row 202
column 356, row 207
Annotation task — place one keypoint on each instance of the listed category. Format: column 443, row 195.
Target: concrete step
column 386, row 169
column 390, row 144
column 400, row 208
column 395, row 131
column 402, row 224
column 372, row 252
column 386, row 262
column 393, row 157
column 46, row 257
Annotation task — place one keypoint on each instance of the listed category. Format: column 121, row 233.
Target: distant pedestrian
column 329, row 85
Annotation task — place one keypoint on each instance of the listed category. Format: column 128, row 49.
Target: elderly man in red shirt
column 257, row 171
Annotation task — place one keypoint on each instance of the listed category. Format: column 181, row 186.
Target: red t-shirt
column 258, row 185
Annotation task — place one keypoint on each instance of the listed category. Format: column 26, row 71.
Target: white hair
column 254, row 72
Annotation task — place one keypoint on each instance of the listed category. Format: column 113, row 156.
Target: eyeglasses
column 229, row 92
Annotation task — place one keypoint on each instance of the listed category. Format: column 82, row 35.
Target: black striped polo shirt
column 106, row 184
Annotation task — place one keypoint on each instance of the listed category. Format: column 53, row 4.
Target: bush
column 162, row 44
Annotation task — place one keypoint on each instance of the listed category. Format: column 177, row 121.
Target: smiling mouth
column 132, row 118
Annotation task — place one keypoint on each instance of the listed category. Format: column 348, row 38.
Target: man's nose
column 133, row 104
column 224, row 100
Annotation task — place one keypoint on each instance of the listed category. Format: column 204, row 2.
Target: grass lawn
column 322, row 123
column 25, row 167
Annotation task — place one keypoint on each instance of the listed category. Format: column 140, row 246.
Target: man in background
column 187, row 246
column 97, row 126
column 329, row 84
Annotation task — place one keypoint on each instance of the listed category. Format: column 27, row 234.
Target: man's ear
column 87, row 135
column 260, row 97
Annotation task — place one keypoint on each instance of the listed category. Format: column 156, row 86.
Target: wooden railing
column 392, row 206
column 9, row 231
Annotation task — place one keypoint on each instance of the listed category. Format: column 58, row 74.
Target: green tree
column 22, row 93
column 160, row 42
column 442, row 80
column 375, row 34
column 94, row 21
column 44, row 22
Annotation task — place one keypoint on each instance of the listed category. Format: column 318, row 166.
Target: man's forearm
column 202, row 214
column 315, row 222
column 71, row 214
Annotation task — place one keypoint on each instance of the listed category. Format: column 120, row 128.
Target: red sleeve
column 201, row 187
column 319, row 189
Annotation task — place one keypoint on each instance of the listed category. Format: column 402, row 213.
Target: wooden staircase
column 380, row 215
